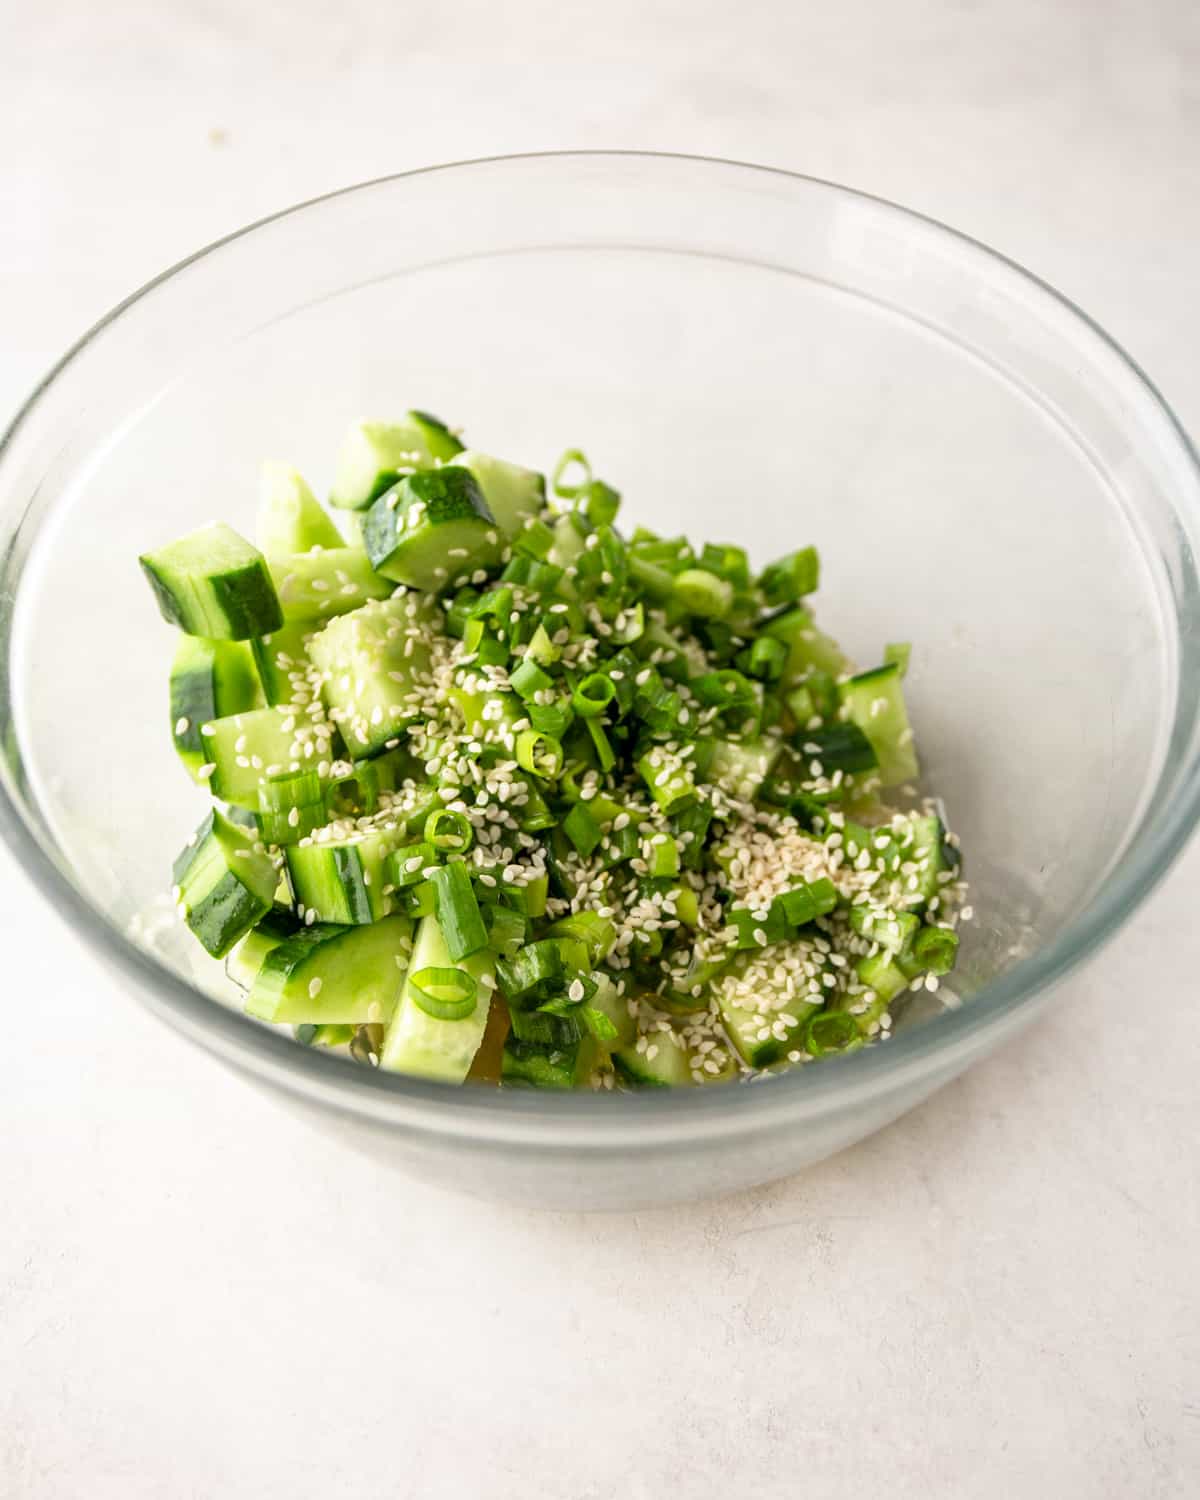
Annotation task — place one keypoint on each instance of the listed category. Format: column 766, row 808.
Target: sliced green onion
column 508, row 930
column 539, row 754
column 728, row 562
column 572, row 458
column 582, row 829
column 597, row 933
column 601, row 1027
column 448, row 831
column 807, row 901
column 605, row 755
column 662, row 856
column 703, row 593
column 407, row 865
column 601, row 502
column 765, row 659
column 935, row 949
column 593, row 694
column 444, row 994
column 551, row 719
column 893, row 930
column 418, row 900
column 542, row 649
column 457, row 909
column 898, row 654
column 831, row 1031
column 548, row 1028
column 789, row 579
column 669, row 783
column 535, row 539
column 528, row 679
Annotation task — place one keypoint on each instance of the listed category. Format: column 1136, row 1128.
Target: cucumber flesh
column 421, row 1044
column 224, row 883
column 375, row 666
column 432, row 528
column 318, row 586
column 283, row 665
column 875, row 702
column 245, row 960
column 663, row 1063
column 342, row 880
column 209, row 679
column 513, row 494
column 334, row 975
column 290, row 518
column 375, row 454
column 213, row 583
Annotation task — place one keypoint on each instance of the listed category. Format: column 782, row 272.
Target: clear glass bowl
column 749, row 355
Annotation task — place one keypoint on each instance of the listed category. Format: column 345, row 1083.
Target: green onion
column 508, row 930
column 539, row 754
column 789, row 579
column 582, row 829
column 662, row 856
column 541, row 648
column 408, row 864
column 535, row 539
column 540, row 968
column 831, row 1031
column 893, row 930
column 597, row 933
column 534, row 813
column 605, row 755
column 552, row 719
column 807, row 901
column 444, row 994
column 898, row 654
column 528, row 679
column 459, row 611
column 448, row 831
column 934, row 949
column 728, row 562
column 547, row 1028
column 598, row 1024
column 765, row 659
column 752, row 931
column 670, row 785
column 593, row 694
column 457, row 911
column 418, row 901
column 572, row 457
column 703, row 593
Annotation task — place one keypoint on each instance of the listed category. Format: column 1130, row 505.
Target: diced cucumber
column 291, row 804
column 432, row 527
column 319, row 585
column 224, row 883
column 283, row 664
column 614, row 1005
column 334, row 975
column 248, row 749
column 425, row 1045
column 342, row 880
column 664, row 1062
column 208, row 680
column 513, row 494
column 542, row 1066
column 375, row 665
column 375, row 454
column 745, row 1025
column 290, row 518
column 213, row 583
column 809, row 649
column 570, row 537
column 245, row 960
column 934, row 856
column 875, row 702
column 741, row 766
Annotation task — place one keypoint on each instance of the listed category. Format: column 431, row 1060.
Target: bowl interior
column 747, row 361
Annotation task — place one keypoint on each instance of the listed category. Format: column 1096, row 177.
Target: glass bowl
column 750, row 356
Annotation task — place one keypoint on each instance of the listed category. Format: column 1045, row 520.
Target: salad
column 501, row 791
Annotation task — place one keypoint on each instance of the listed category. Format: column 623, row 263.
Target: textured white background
column 200, row 1298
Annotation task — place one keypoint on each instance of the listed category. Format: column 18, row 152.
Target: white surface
column 200, row 1298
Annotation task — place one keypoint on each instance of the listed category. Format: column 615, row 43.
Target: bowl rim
column 593, row 1120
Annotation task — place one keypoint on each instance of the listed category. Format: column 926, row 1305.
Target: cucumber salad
column 502, row 791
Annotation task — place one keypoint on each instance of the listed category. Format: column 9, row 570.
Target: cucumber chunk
column 430, row 528
column 375, row 666
column 512, row 493
column 290, row 518
column 245, row 960
column 875, row 702
column 419, row 1043
column 283, row 664
column 342, row 880
column 319, row 585
column 334, row 975
column 224, row 883
column 662, row 1063
column 375, row 454
column 209, row 679
column 213, row 583
column 246, row 750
